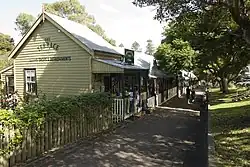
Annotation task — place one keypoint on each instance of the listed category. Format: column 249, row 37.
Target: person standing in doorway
column 188, row 94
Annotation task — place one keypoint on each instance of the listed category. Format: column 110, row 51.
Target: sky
column 120, row 19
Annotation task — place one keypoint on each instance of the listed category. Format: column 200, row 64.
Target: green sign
column 129, row 56
column 48, row 44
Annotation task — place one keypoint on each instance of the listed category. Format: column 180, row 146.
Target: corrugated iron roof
column 85, row 35
column 122, row 65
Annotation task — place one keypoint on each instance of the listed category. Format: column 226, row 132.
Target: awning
column 112, row 66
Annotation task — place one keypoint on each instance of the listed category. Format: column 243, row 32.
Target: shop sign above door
column 48, row 44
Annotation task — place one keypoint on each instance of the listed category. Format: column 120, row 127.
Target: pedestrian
column 188, row 93
column 192, row 95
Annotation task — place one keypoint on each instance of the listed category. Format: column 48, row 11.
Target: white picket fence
column 151, row 102
column 121, row 109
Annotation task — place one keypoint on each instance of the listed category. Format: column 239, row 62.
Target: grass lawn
column 231, row 129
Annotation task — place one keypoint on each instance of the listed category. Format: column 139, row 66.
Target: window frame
column 7, row 86
column 25, row 82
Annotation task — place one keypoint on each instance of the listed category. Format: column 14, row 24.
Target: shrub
column 34, row 113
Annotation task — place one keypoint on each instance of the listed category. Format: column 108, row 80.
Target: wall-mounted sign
column 65, row 58
column 129, row 56
column 48, row 44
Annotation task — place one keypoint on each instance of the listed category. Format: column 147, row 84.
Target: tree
column 23, row 22
column 70, row 9
column 6, row 44
column 175, row 56
column 75, row 11
column 219, row 52
column 149, row 47
column 135, row 46
column 170, row 10
column 121, row 45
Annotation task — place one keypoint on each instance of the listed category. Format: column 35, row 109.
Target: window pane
column 27, row 72
column 33, row 78
column 28, row 79
column 32, row 73
column 28, row 87
column 33, row 89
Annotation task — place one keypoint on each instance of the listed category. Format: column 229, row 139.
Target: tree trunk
column 224, row 85
column 220, row 84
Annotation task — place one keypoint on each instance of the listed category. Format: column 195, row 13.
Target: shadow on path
column 164, row 138
column 197, row 155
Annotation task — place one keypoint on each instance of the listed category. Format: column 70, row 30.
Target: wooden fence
column 58, row 133
column 51, row 135
column 120, row 109
column 151, row 102
column 172, row 92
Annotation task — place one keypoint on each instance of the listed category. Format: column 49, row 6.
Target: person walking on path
column 192, row 95
column 188, row 94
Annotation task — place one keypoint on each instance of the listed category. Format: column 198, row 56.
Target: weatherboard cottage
column 59, row 57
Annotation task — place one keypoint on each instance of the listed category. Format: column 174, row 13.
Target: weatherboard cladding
column 74, row 75
column 69, row 77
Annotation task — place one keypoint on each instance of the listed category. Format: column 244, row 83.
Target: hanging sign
column 129, row 56
column 48, row 44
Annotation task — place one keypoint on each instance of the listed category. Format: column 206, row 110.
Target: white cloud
column 108, row 8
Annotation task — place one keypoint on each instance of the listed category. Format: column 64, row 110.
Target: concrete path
column 166, row 137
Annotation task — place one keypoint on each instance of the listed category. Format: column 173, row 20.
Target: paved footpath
column 166, row 137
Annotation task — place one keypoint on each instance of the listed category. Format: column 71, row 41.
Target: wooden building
column 59, row 57
column 7, row 80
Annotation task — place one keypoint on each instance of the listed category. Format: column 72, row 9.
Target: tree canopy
column 136, row 46
column 121, row 45
column 70, row 9
column 175, row 56
column 23, row 22
column 150, row 47
column 6, row 44
column 238, row 11
column 219, row 52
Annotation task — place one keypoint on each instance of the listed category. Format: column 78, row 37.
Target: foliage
column 36, row 112
column 5, row 63
column 121, row 45
column 238, row 10
column 23, row 22
column 175, row 56
column 135, row 46
column 75, row 11
column 6, row 44
column 150, row 47
column 230, row 127
column 220, row 53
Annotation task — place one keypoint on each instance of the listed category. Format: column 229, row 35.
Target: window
column 30, row 81
column 9, row 84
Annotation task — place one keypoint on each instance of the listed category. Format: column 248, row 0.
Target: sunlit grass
column 231, row 129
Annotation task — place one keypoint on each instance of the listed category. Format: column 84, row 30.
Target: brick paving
column 166, row 137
